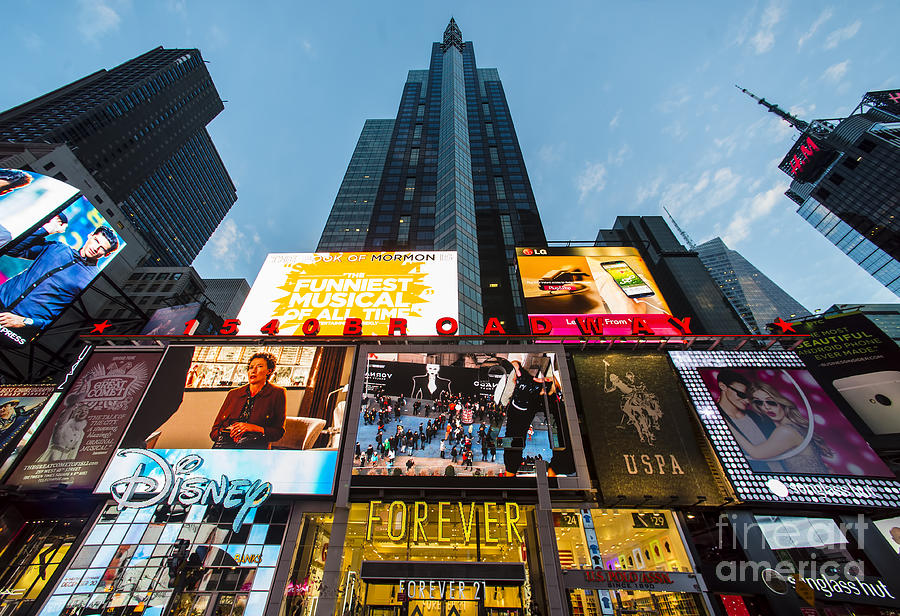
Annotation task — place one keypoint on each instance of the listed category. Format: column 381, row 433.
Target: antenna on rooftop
column 781, row 113
column 687, row 238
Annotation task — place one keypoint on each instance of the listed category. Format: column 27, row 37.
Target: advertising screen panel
column 471, row 414
column 19, row 405
column 82, row 433
column 43, row 273
column 26, row 199
column 890, row 530
column 170, row 321
column 272, row 415
column 642, row 436
column 858, row 363
column 592, row 290
column 779, row 436
column 420, row 287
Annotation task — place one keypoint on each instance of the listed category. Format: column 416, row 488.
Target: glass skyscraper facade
column 446, row 174
column 140, row 131
column 846, row 180
column 756, row 299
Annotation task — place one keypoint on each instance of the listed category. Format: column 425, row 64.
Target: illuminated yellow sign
column 499, row 520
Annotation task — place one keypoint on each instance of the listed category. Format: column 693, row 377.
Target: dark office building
column 446, row 174
column 140, row 131
column 755, row 297
column 846, row 180
column 683, row 279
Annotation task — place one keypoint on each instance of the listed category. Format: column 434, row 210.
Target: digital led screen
column 42, row 273
column 269, row 414
column 375, row 287
column 779, row 437
column 890, row 530
column 170, row 321
column 19, row 405
column 26, row 199
column 643, row 439
column 463, row 414
column 592, row 290
column 853, row 359
column 83, row 430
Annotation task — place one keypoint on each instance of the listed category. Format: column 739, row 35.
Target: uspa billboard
column 592, row 290
column 858, row 363
column 449, row 412
column 83, row 430
column 276, row 413
column 375, row 287
column 779, row 436
column 50, row 263
column 644, row 441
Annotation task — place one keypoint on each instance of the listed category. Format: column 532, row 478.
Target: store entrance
column 384, row 600
column 210, row 604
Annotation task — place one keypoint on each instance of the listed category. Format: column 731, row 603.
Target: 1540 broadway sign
column 171, row 484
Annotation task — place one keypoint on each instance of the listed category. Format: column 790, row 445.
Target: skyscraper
column 446, row 174
column 755, row 297
column 140, row 131
column 846, row 180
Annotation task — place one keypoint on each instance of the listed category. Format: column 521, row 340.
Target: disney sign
column 142, row 489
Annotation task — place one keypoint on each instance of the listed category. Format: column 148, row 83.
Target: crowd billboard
column 375, row 287
column 274, row 412
column 83, row 431
column 45, row 270
column 779, row 436
column 447, row 412
column 858, row 363
column 579, row 291
column 642, row 436
column 19, row 405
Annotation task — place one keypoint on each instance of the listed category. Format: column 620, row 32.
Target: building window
column 501, row 191
column 837, row 179
column 822, row 194
column 414, row 157
column 866, row 145
column 850, row 163
column 410, row 190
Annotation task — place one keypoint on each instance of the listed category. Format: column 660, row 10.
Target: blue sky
column 620, row 108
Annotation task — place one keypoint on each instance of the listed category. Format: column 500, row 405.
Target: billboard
column 82, row 432
column 808, row 159
column 853, row 359
column 42, row 273
column 27, row 198
column 375, row 287
column 889, row 100
column 890, row 530
column 170, row 321
column 444, row 412
column 19, row 405
column 592, row 290
column 276, row 413
column 779, row 436
column 643, row 438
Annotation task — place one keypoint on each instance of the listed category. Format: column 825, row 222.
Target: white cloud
column 229, row 244
column 615, row 119
column 693, row 200
column 96, row 18
column 836, row 72
column 842, row 34
column 764, row 39
column 647, row 191
column 551, row 152
column 591, row 180
column 676, row 99
column 307, row 46
column 753, row 209
column 217, row 38
column 676, row 129
column 820, row 20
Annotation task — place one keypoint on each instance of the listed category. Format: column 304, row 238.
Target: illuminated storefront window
column 301, row 595
column 639, row 554
column 437, row 558
column 124, row 566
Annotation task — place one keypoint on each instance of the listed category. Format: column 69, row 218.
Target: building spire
column 452, row 37
column 781, row 113
column 687, row 238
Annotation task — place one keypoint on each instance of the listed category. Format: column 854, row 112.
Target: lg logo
column 531, row 251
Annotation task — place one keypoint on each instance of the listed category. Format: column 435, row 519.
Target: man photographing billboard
column 33, row 298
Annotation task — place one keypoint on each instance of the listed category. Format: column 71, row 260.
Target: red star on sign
column 784, row 326
column 100, row 327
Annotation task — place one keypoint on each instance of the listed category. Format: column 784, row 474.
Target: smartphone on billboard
column 631, row 284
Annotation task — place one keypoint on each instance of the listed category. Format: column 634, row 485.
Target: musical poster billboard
column 375, row 287
column 643, row 438
column 858, row 363
column 448, row 412
column 84, row 429
column 592, row 290
column 273, row 412
column 779, row 436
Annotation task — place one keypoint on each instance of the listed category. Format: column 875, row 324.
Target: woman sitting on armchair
column 252, row 416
